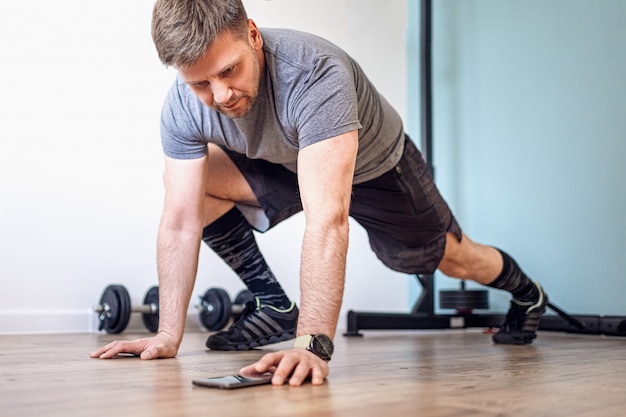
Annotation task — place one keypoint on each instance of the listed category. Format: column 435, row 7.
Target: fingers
column 113, row 349
column 318, row 376
column 286, row 365
column 266, row 364
column 316, row 370
column 161, row 350
column 295, row 366
column 299, row 375
column 150, row 353
column 150, row 348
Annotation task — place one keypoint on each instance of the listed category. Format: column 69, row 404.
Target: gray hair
column 182, row 30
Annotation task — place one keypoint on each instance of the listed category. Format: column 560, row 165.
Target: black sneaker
column 258, row 325
column 522, row 321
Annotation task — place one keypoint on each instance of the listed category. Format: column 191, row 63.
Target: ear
column 254, row 36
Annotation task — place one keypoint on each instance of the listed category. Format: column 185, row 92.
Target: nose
column 221, row 93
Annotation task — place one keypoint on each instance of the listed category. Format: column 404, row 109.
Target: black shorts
column 405, row 216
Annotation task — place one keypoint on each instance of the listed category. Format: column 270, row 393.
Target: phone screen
column 232, row 381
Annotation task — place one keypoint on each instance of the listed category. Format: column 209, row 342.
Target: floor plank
column 406, row 373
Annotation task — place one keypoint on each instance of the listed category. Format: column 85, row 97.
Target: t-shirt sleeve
column 181, row 136
column 328, row 105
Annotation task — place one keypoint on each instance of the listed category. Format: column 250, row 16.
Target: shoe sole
column 218, row 345
column 514, row 339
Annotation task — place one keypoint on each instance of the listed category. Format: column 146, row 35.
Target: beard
column 241, row 103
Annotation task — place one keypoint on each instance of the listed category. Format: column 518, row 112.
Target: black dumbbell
column 216, row 309
column 115, row 309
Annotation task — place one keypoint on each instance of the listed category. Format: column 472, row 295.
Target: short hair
column 182, row 30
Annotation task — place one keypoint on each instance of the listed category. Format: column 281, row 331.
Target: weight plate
column 216, row 306
column 110, row 303
column 242, row 298
column 151, row 320
column 116, row 318
column 125, row 309
column 464, row 300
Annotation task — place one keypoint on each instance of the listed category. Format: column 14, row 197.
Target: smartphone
column 233, row 381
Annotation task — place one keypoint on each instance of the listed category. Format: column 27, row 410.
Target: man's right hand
column 163, row 345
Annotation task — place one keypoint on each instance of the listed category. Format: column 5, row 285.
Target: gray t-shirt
column 311, row 91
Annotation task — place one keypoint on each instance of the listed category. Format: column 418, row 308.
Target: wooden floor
column 413, row 373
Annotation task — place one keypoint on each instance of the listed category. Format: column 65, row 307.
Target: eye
column 201, row 85
column 228, row 71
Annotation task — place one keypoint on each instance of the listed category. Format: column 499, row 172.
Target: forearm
column 177, row 262
column 322, row 278
column 325, row 172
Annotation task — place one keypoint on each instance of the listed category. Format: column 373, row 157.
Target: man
column 261, row 124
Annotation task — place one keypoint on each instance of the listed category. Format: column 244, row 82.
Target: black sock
column 514, row 280
column 232, row 239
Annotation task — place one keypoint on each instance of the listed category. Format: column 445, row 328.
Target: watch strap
column 303, row 342
column 318, row 344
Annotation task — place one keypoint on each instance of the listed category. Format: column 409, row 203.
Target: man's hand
column 163, row 345
column 295, row 365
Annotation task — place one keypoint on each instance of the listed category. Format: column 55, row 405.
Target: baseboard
column 56, row 322
column 42, row 321
column 79, row 321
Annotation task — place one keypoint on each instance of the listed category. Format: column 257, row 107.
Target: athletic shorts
column 405, row 216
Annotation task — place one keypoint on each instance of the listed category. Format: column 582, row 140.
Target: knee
column 455, row 268
column 469, row 260
column 455, row 261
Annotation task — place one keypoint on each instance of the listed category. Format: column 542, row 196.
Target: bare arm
column 178, row 246
column 325, row 173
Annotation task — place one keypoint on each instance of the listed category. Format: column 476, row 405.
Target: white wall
column 80, row 166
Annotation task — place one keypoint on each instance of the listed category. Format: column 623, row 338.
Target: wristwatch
column 318, row 344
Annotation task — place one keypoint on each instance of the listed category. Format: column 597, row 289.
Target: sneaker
column 258, row 325
column 522, row 321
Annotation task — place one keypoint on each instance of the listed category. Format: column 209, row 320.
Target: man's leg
column 489, row 266
column 232, row 239
column 273, row 316
column 229, row 234
column 412, row 230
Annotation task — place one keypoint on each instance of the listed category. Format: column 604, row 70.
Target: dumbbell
column 216, row 308
column 115, row 309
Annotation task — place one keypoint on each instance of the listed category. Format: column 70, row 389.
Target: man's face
column 227, row 77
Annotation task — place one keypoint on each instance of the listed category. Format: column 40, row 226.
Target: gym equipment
column 423, row 316
column 463, row 300
column 115, row 309
column 151, row 320
column 216, row 308
column 241, row 299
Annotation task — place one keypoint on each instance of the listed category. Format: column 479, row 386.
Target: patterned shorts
column 405, row 216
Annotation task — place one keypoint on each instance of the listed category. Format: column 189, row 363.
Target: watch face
column 322, row 346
